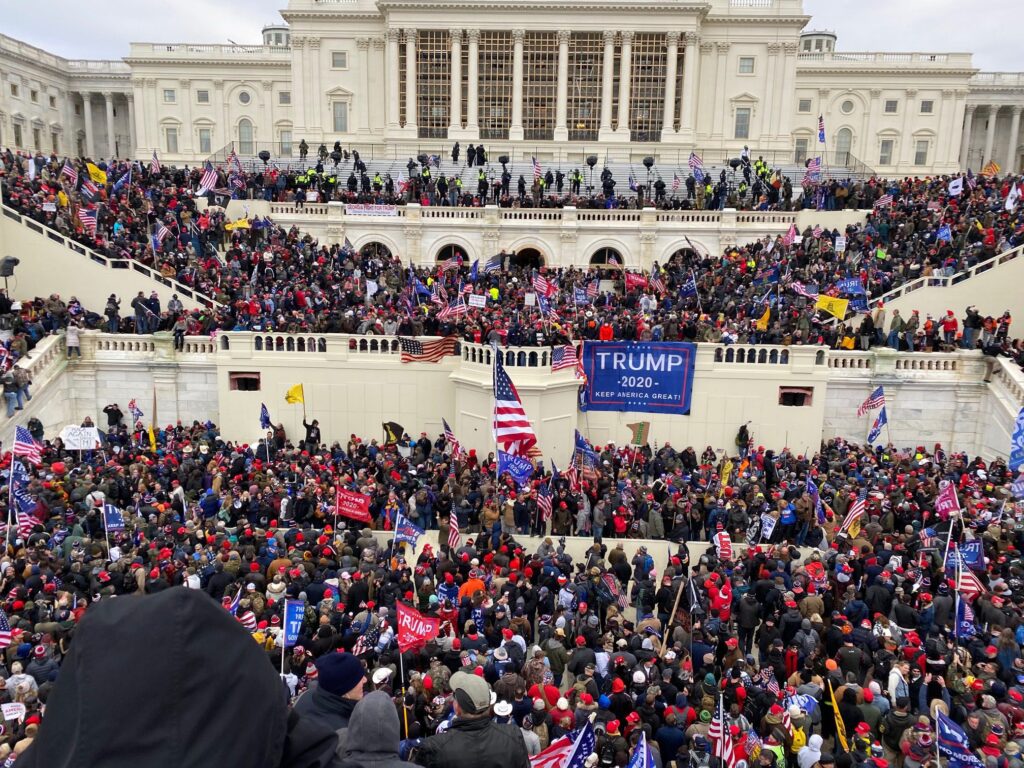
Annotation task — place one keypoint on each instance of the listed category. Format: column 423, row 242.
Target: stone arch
column 601, row 257
column 377, row 241
column 447, row 248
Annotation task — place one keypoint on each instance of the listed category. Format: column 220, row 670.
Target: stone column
column 625, row 75
column 299, row 97
column 990, row 134
column 218, row 98
column 455, row 108
column 108, row 102
column 909, row 143
column 473, row 76
column 266, row 136
column 315, row 96
column 1011, row 152
column 788, row 74
column 393, row 82
column 90, row 150
column 562, row 98
column 965, row 140
column 668, row 113
column 410, row 79
column 185, row 138
column 515, row 131
column 363, row 44
column 691, row 66
column 131, row 124
column 718, row 127
column 606, row 85
column 770, row 128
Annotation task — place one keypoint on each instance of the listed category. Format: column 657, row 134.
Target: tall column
column 131, row 125
column 410, row 79
column 455, row 108
column 363, row 44
column 625, row 76
column 772, row 104
column 393, row 82
column 1011, row 153
column 909, row 144
column 265, row 133
column 788, row 77
column 299, row 97
column 722, row 49
column 90, row 150
column 990, row 134
column 315, row 95
column 668, row 115
column 515, row 131
column 108, row 102
column 691, row 65
column 185, row 138
column 606, row 84
column 562, row 97
column 473, row 76
column 227, row 134
column 965, row 140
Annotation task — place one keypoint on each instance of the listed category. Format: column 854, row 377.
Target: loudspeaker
column 591, row 160
column 648, row 162
column 7, row 265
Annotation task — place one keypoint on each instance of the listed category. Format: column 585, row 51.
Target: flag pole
column 106, row 533
column 401, row 671
column 284, row 637
column 949, row 540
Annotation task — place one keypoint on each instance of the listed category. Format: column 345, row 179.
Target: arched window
column 245, row 142
column 844, row 143
column 607, row 256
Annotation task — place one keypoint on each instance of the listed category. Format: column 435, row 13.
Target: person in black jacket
column 171, row 694
column 312, row 435
column 473, row 739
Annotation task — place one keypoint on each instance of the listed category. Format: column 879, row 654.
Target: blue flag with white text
column 518, row 467
column 113, row 520
column 876, row 429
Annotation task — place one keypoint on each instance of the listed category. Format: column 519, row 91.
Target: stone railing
column 885, row 57
column 942, row 281
column 1008, row 376
column 46, row 361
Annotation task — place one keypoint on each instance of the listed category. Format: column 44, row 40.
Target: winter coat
column 475, row 743
column 374, row 734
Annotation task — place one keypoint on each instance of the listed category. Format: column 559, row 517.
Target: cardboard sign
column 476, row 300
column 530, row 300
column 77, row 438
column 353, row 505
column 13, row 711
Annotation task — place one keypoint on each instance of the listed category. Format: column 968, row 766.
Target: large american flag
column 884, row 201
column 438, row 295
column 563, row 357
column 416, row 351
column 154, row 163
column 970, row 587
column 512, row 430
column 449, row 264
column 25, row 445
column 454, row 537
column 449, row 436
column 721, row 739
column 543, row 286
column 875, row 400
column 87, row 217
column 856, row 511
column 656, row 282
column 208, row 180
column 456, row 308
column 5, row 630
column 544, row 501
column 675, row 182
column 536, row 169
column 570, row 751
column 69, row 171
column 26, row 524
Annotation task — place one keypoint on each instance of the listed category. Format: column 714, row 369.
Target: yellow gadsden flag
column 762, row 324
column 98, row 175
column 295, row 395
column 835, row 307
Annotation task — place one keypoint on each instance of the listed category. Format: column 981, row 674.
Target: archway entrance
column 450, row 251
column 609, row 258
column 844, row 144
column 684, row 257
column 527, row 258
column 375, row 250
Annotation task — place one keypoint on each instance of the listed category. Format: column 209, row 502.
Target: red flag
column 724, row 545
column 352, row 505
column 946, row 503
column 414, row 629
column 633, row 279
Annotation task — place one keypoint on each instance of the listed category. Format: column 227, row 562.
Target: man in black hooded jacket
column 163, row 681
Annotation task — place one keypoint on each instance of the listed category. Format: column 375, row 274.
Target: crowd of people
column 145, row 588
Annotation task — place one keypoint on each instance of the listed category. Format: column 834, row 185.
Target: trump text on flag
column 651, row 377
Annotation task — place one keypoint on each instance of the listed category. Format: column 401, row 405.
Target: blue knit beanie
column 339, row 673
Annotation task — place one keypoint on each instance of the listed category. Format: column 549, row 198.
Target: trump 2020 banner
column 1017, row 443
column 645, row 376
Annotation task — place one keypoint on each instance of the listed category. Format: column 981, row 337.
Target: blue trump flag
column 953, row 744
column 944, row 233
column 642, row 755
column 689, row 287
column 876, row 429
column 964, row 619
column 406, row 531
column 113, row 520
column 1017, row 443
column 648, row 377
column 264, row 417
column 294, row 610
column 518, row 467
column 850, row 285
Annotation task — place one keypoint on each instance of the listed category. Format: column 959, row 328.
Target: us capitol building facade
column 555, row 79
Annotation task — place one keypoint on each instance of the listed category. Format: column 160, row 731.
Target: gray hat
column 471, row 692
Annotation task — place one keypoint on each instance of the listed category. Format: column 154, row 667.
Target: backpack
column 799, row 740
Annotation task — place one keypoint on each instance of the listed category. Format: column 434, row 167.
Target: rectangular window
column 339, row 60
column 796, row 397
column 921, row 152
column 746, row 65
column 34, row 96
column 172, row 140
column 286, row 143
column 205, row 140
column 37, row 138
column 244, row 382
column 885, row 152
column 55, row 142
column 807, row 45
column 927, row 107
column 169, row 96
column 284, row 98
column 891, row 106
column 804, row 105
column 14, row 90
column 742, row 123
column 496, row 84
column 203, row 97
column 53, row 102
column 340, row 117
column 17, row 135
column 800, row 154
column 78, row 109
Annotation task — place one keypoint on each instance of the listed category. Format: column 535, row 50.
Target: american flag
column 248, row 620
column 231, row 603
column 208, row 180
column 512, row 430
column 87, row 216
column 875, row 400
column 543, row 286
column 449, row 264
column 856, row 511
column 771, row 684
column 929, row 538
column 416, row 351
column 675, row 182
column 438, row 295
column 5, row 630
column 536, row 169
column 593, row 288
column 572, row 474
column 721, row 739
column 790, row 237
column 570, row 751
column 821, row 129
column 454, row 537
column 135, row 411
column 817, row 230
column 884, row 201
column 813, row 172
column 162, row 232
column 563, row 357
column 656, row 283
column 26, row 524
column 544, row 501
column 89, row 191
column 25, row 445
column 456, row 308
column 493, row 264
column 970, row 586
column 807, row 291
column 452, row 441
column 154, row 163
column 233, row 161
column 69, row 171
column 696, row 166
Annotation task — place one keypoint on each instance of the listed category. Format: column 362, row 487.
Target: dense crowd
column 265, row 277
column 535, row 648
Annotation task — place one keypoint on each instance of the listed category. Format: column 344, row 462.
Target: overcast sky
column 104, row 28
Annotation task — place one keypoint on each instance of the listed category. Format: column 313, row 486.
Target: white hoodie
column 810, row 754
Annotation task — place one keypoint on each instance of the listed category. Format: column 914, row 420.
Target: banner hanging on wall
column 649, row 377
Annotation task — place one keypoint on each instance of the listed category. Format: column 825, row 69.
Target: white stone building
column 559, row 80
